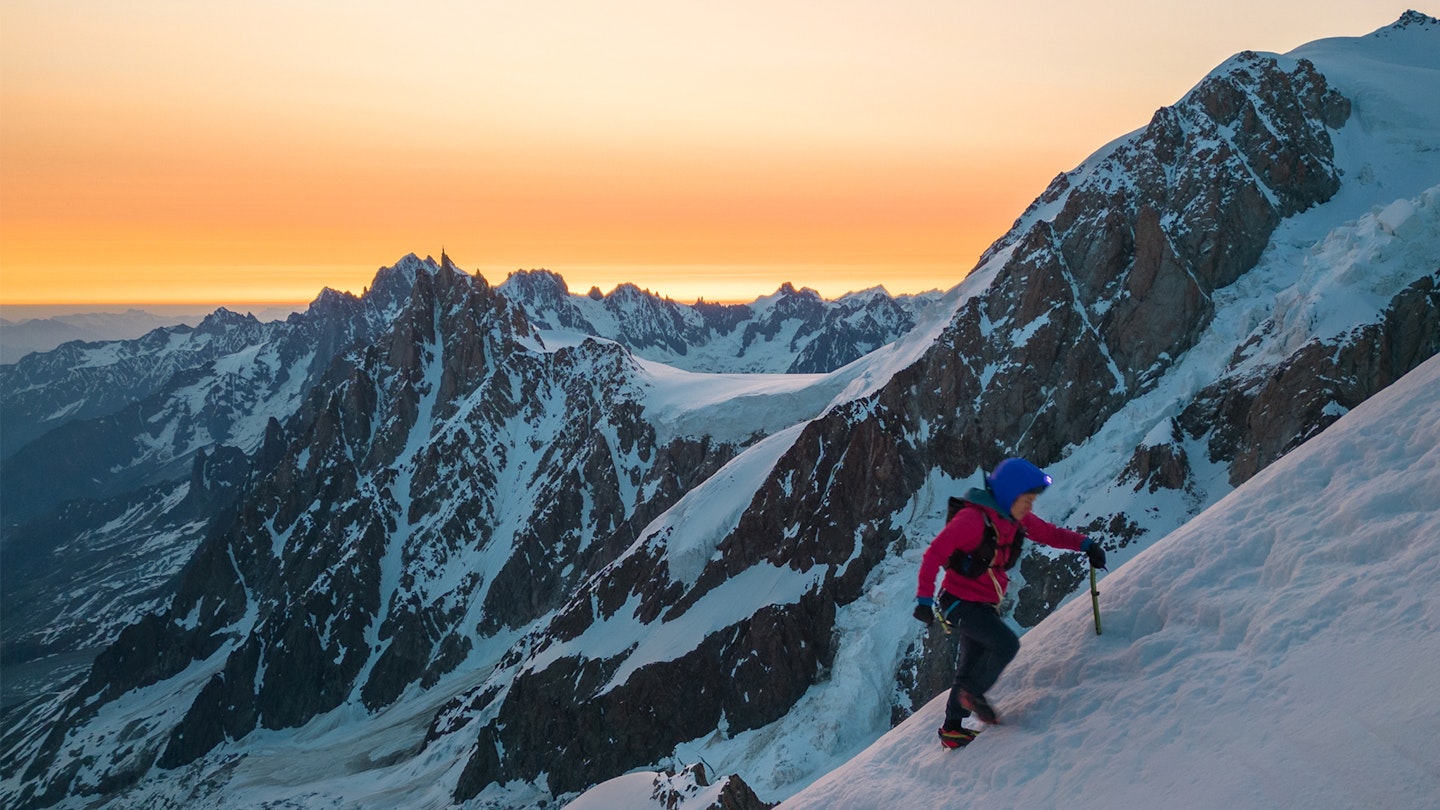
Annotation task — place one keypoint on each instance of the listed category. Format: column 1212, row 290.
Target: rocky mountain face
column 542, row 462
column 792, row 331
column 484, row 540
column 122, row 455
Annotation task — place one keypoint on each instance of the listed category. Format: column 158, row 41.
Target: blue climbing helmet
column 1012, row 478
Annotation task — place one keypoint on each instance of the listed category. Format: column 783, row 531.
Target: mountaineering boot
column 956, row 738
column 981, row 708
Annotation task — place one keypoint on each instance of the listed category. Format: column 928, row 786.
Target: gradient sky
column 173, row 151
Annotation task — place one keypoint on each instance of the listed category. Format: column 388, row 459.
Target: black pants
column 987, row 646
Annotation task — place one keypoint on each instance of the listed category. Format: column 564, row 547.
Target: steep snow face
column 1388, row 151
column 1278, row 650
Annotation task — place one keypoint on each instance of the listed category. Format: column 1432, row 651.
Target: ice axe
column 1095, row 600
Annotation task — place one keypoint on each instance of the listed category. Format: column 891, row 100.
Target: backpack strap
column 974, row 564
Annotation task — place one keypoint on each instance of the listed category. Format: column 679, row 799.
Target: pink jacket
column 965, row 532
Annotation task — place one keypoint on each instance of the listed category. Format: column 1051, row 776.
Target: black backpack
column 974, row 564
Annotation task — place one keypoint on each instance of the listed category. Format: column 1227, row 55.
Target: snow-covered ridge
column 788, row 331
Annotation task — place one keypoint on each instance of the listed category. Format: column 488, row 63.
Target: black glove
column 1096, row 554
column 925, row 610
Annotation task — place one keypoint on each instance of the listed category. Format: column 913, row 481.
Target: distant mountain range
column 20, row 336
column 23, row 336
column 792, row 331
column 234, row 372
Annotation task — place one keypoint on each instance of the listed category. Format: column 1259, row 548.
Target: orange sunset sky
column 172, row 151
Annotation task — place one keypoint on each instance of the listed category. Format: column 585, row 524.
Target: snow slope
column 1280, row 650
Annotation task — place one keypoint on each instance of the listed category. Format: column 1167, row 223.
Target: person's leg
column 987, row 644
column 970, row 650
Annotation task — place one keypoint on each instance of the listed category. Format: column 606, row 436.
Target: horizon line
column 292, row 285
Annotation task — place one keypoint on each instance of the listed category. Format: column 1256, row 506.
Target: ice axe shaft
column 1095, row 600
